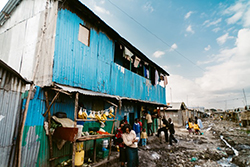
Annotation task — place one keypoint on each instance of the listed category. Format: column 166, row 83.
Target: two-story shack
column 74, row 59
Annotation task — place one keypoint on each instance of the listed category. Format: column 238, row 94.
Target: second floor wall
column 89, row 63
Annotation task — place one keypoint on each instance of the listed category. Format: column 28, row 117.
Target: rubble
column 207, row 150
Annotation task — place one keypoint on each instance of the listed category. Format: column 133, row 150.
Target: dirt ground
column 207, row 150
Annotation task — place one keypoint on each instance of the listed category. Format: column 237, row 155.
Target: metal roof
column 176, row 105
column 98, row 94
column 8, row 8
column 8, row 68
column 93, row 18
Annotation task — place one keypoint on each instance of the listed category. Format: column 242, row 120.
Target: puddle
column 226, row 162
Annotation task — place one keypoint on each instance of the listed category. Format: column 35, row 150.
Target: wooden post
column 22, row 126
column 75, row 117
column 94, row 150
column 110, row 140
column 57, row 94
column 49, row 125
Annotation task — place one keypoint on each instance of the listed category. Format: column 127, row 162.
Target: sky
column 203, row 45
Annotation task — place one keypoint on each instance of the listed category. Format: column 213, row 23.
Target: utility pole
column 245, row 96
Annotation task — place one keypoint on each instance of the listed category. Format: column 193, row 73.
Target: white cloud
column 99, row 9
column 173, row 47
column 216, row 29
column 208, row 23
column 246, row 18
column 239, row 13
column 236, row 17
column 207, row 48
column 222, row 39
column 158, row 54
column 188, row 14
column 222, row 80
column 189, row 29
column 231, row 73
column 148, row 7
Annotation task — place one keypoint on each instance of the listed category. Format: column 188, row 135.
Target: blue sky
column 204, row 45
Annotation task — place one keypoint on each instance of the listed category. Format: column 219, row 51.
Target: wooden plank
column 62, row 91
column 49, row 125
column 94, row 151
column 94, row 137
column 110, row 140
column 111, row 103
column 75, row 117
column 57, row 94
column 52, row 159
column 94, row 119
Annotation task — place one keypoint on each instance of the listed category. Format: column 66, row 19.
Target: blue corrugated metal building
column 94, row 60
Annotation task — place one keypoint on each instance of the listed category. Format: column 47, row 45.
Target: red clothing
column 118, row 136
column 140, row 125
column 125, row 121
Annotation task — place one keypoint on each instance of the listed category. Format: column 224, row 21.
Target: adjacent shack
column 12, row 85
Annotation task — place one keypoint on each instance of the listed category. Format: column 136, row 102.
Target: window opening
column 126, row 58
column 83, row 35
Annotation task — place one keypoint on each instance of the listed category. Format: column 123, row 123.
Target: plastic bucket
column 79, row 158
column 79, row 134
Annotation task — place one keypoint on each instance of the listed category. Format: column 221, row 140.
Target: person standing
column 199, row 122
column 129, row 139
column 137, row 129
column 190, row 126
column 149, row 124
column 172, row 131
column 164, row 128
column 125, row 119
column 119, row 142
column 196, row 127
column 144, row 137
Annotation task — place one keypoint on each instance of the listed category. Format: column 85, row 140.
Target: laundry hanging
column 156, row 77
column 136, row 61
column 165, row 80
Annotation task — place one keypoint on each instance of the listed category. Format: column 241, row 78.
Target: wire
column 155, row 35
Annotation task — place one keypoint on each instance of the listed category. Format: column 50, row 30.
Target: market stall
column 73, row 132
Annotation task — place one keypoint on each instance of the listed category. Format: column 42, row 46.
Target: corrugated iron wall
column 11, row 88
column 35, row 146
column 92, row 67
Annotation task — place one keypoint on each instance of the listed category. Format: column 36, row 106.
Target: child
column 144, row 137
column 190, row 126
column 137, row 129
column 196, row 128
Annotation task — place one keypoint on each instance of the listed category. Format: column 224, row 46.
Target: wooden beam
column 75, row 118
column 49, row 125
column 52, row 159
column 111, row 103
column 94, row 119
column 95, row 150
column 62, row 91
column 57, row 94
column 110, row 140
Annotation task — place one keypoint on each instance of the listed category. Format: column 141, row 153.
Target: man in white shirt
column 149, row 124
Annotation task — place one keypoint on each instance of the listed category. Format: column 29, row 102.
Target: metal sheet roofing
column 8, row 8
column 92, row 93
